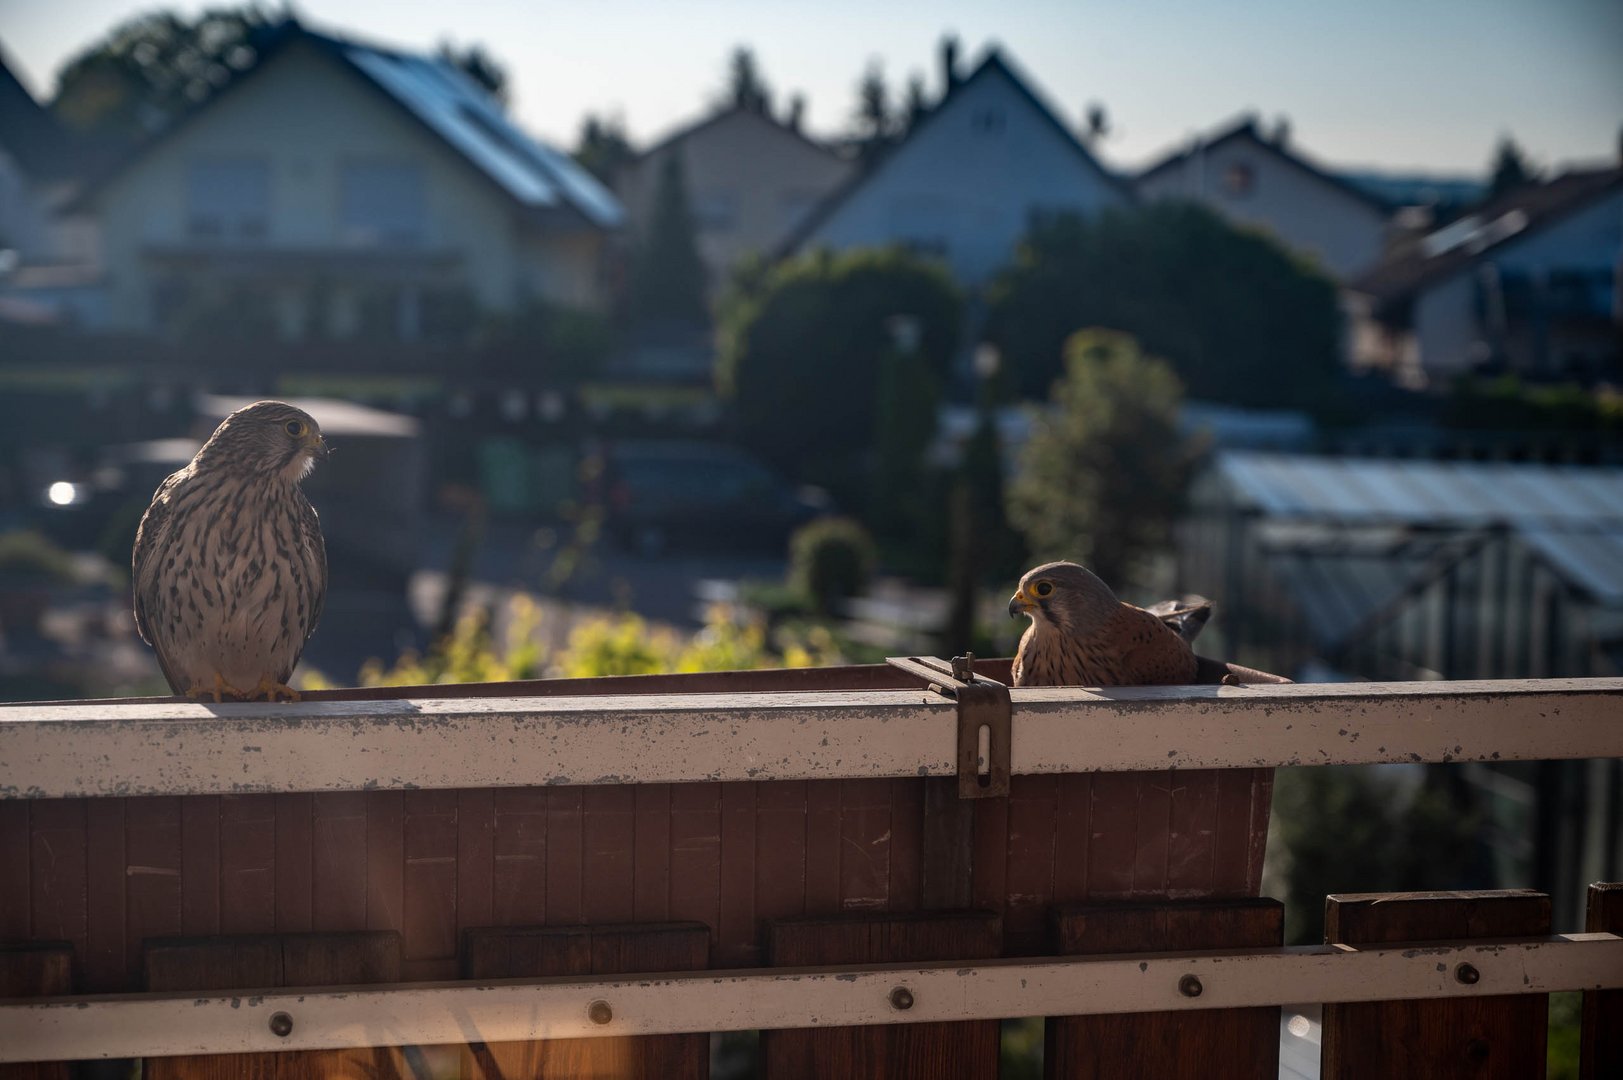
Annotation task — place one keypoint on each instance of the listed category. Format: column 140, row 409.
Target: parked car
column 661, row 494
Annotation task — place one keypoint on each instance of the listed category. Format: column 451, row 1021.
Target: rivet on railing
column 1467, row 974
column 1189, row 986
column 901, row 998
column 598, row 1012
column 281, row 1024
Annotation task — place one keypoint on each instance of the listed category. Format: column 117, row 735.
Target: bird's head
column 267, row 438
column 1063, row 595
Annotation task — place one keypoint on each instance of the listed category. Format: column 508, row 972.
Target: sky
column 1395, row 84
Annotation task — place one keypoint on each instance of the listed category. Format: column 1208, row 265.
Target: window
column 228, row 199
column 381, row 204
column 1239, row 180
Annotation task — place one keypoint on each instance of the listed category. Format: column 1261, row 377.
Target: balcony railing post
column 1603, row 1009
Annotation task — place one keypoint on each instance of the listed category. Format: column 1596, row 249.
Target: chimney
column 797, row 112
column 949, row 64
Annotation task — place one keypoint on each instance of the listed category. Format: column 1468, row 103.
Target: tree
column 1098, row 124
column 479, row 66
column 1511, row 169
column 1103, row 473
column 603, row 149
column 801, row 352
column 149, row 69
column 917, row 106
column 746, row 87
column 1239, row 318
column 668, row 277
column 873, row 114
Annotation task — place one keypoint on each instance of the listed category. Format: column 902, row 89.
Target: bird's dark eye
column 295, row 428
column 1043, row 588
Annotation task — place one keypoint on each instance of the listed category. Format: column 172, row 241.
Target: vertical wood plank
column 780, row 849
column 1602, row 1046
column 1153, row 826
column 520, row 850
column 58, row 854
column 200, row 864
column 1192, row 842
column 1238, row 1043
column 539, row 952
column 651, row 859
column 338, row 861
column 1262, row 798
column 906, row 838
column 385, row 860
column 696, row 855
column 1487, row 1038
column 1231, row 858
column 35, row 971
column 247, row 864
column 103, row 948
column 16, row 908
column 946, row 846
column 738, row 944
column 294, row 851
column 152, row 829
column 1033, row 805
column 609, row 840
column 1072, row 836
column 1113, row 839
column 565, row 854
column 942, row 1051
column 822, row 847
column 428, row 920
column 988, row 888
column 475, row 857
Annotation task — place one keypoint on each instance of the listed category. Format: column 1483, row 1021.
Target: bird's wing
column 314, row 549
column 1186, row 616
column 143, row 567
column 1151, row 652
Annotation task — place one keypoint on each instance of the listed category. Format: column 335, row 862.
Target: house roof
column 1454, row 247
column 726, row 112
column 993, row 63
column 451, row 106
column 31, row 135
column 1245, row 127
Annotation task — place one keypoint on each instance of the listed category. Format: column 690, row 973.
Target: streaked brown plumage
column 229, row 567
column 1081, row 635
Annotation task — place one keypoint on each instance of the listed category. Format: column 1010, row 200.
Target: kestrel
column 1081, row 635
column 230, row 569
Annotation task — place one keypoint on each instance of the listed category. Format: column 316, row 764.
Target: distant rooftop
column 335, row 417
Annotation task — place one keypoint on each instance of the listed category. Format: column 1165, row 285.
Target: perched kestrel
column 1081, row 635
column 230, row 570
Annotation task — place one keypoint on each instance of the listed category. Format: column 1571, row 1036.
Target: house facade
column 968, row 180
column 338, row 190
column 750, row 181
column 1525, row 285
column 1260, row 182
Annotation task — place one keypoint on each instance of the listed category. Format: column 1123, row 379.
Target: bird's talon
column 269, row 688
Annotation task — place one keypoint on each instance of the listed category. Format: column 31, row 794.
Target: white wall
column 1308, row 214
column 967, row 183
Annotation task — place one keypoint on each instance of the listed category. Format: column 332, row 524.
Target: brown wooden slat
column 608, row 851
column 16, row 907
column 1191, row 844
column 36, row 970
column 1072, row 836
column 1486, row 1038
column 695, row 855
column 738, row 942
column 565, row 855
column 537, row 952
column 293, row 867
column 1236, row 792
column 475, row 857
column 338, row 866
column 200, row 864
column 823, row 830
column 1113, row 839
column 947, row 846
column 1603, row 1009
column 385, row 860
column 651, row 858
column 906, row 830
column 105, row 955
column 1262, row 796
column 1033, row 801
column 989, row 867
column 1153, row 819
column 152, row 908
column 57, row 852
column 270, row 961
column 934, row 1051
column 1172, row 1045
column 248, row 864
column 428, row 921
column 864, row 844
column 780, row 850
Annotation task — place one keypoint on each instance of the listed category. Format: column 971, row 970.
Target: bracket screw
column 598, row 1012
column 281, row 1025
column 1467, row 974
column 901, row 998
column 1189, row 986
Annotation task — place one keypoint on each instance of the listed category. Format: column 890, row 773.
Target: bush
column 830, row 560
column 30, row 558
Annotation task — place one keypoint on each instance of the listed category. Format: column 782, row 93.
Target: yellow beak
column 1019, row 605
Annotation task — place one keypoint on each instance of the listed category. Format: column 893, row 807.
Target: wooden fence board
column 1603, row 1009
column 40, row 970
column 1484, row 1038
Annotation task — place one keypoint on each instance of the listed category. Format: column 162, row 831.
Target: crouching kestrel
column 1081, row 635
column 230, row 570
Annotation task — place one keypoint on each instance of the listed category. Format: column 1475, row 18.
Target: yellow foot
column 220, row 691
column 268, row 688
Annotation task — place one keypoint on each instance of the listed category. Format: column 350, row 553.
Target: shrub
column 29, row 557
column 830, row 560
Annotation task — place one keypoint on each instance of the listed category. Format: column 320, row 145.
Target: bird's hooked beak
column 317, row 446
column 1020, row 605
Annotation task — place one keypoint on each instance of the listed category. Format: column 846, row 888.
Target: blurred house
column 966, row 182
column 750, row 181
column 1526, row 284
column 338, row 190
column 1262, row 181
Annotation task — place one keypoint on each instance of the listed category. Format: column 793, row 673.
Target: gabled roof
column 726, row 112
column 450, row 106
column 993, row 63
column 1457, row 245
column 1245, row 127
column 31, row 135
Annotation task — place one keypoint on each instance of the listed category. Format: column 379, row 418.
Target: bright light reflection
column 60, row 493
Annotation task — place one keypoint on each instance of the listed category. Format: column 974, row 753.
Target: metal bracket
column 984, row 729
